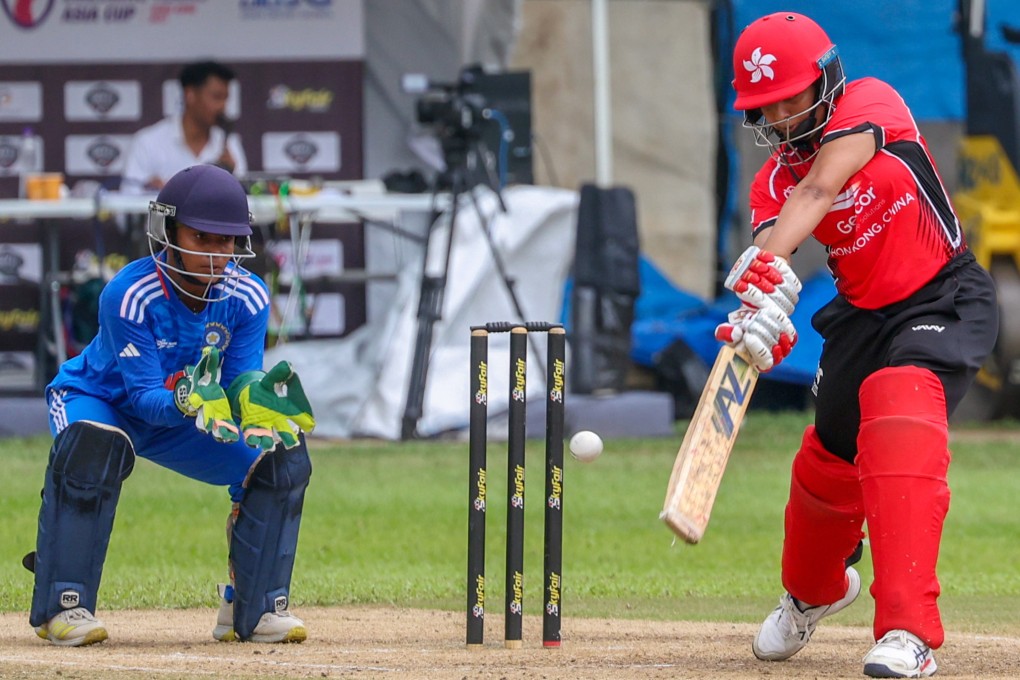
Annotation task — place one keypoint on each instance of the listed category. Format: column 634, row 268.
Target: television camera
column 482, row 123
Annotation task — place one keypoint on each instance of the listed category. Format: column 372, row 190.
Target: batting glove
column 272, row 407
column 764, row 336
column 763, row 280
column 197, row 393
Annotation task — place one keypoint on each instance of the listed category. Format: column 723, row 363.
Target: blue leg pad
column 87, row 466
column 265, row 535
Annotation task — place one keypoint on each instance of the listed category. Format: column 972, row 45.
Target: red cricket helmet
column 779, row 56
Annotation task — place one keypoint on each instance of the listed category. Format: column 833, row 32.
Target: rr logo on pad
column 69, row 599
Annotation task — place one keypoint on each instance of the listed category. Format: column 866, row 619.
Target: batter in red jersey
column 914, row 319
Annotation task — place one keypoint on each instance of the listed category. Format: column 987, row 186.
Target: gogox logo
column 69, row 599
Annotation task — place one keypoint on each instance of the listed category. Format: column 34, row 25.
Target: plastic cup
column 44, row 187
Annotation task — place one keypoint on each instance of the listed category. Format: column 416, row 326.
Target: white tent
column 358, row 385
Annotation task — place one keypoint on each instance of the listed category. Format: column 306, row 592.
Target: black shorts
column 949, row 327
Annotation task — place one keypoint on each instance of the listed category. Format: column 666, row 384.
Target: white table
column 354, row 204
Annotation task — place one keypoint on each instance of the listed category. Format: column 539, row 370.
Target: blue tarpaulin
column 911, row 44
column 666, row 314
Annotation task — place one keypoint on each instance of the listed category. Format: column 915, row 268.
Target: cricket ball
column 585, row 446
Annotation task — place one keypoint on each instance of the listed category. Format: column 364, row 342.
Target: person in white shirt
column 199, row 134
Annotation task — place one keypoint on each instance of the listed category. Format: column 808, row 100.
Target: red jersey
column 892, row 227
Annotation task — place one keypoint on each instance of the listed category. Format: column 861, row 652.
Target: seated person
column 199, row 134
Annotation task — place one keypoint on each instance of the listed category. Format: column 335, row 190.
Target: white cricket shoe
column 900, row 654
column 788, row 629
column 281, row 626
column 73, row 628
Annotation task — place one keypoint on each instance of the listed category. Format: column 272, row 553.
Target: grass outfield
column 385, row 523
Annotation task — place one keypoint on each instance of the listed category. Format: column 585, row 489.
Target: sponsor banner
column 102, row 100
column 53, row 31
column 322, row 257
column 91, row 155
column 20, row 263
column 17, row 371
column 12, row 161
column 301, row 152
column 20, row 102
column 283, row 97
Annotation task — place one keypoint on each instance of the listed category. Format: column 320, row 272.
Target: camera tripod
column 460, row 158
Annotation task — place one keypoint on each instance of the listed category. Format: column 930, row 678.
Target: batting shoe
column 73, row 628
column 281, row 626
column 788, row 628
column 900, row 654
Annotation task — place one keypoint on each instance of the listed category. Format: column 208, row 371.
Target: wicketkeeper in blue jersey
column 175, row 376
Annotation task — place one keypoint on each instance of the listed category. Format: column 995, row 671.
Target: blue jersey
column 147, row 335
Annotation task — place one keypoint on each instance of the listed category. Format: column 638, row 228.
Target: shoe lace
column 79, row 615
column 902, row 639
column 794, row 620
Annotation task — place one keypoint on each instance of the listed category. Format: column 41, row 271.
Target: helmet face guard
column 799, row 146
column 210, row 200
column 167, row 254
column 778, row 57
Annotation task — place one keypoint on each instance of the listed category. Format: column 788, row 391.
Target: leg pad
column 823, row 523
column 88, row 464
column 904, row 458
column 264, row 539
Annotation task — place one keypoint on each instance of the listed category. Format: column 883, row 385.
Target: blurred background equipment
column 606, row 287
column 458, row 116
column 988, row 201
column 482, row 121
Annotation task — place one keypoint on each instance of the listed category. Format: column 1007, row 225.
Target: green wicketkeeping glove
column 272, row 407
column 198, row 393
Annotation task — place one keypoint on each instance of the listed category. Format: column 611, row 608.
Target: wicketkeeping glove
column 764, row 280
column 272, row 407
column 197, row 393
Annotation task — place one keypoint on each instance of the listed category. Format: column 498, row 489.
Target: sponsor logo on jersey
column 817, row 381
column 928, row 327
column 130, row 351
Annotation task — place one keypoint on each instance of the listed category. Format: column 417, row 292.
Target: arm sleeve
column 139, row 366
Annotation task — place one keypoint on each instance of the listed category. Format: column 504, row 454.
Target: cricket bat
column 702, row 457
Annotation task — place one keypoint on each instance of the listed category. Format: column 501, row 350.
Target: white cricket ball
column 585, row 446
